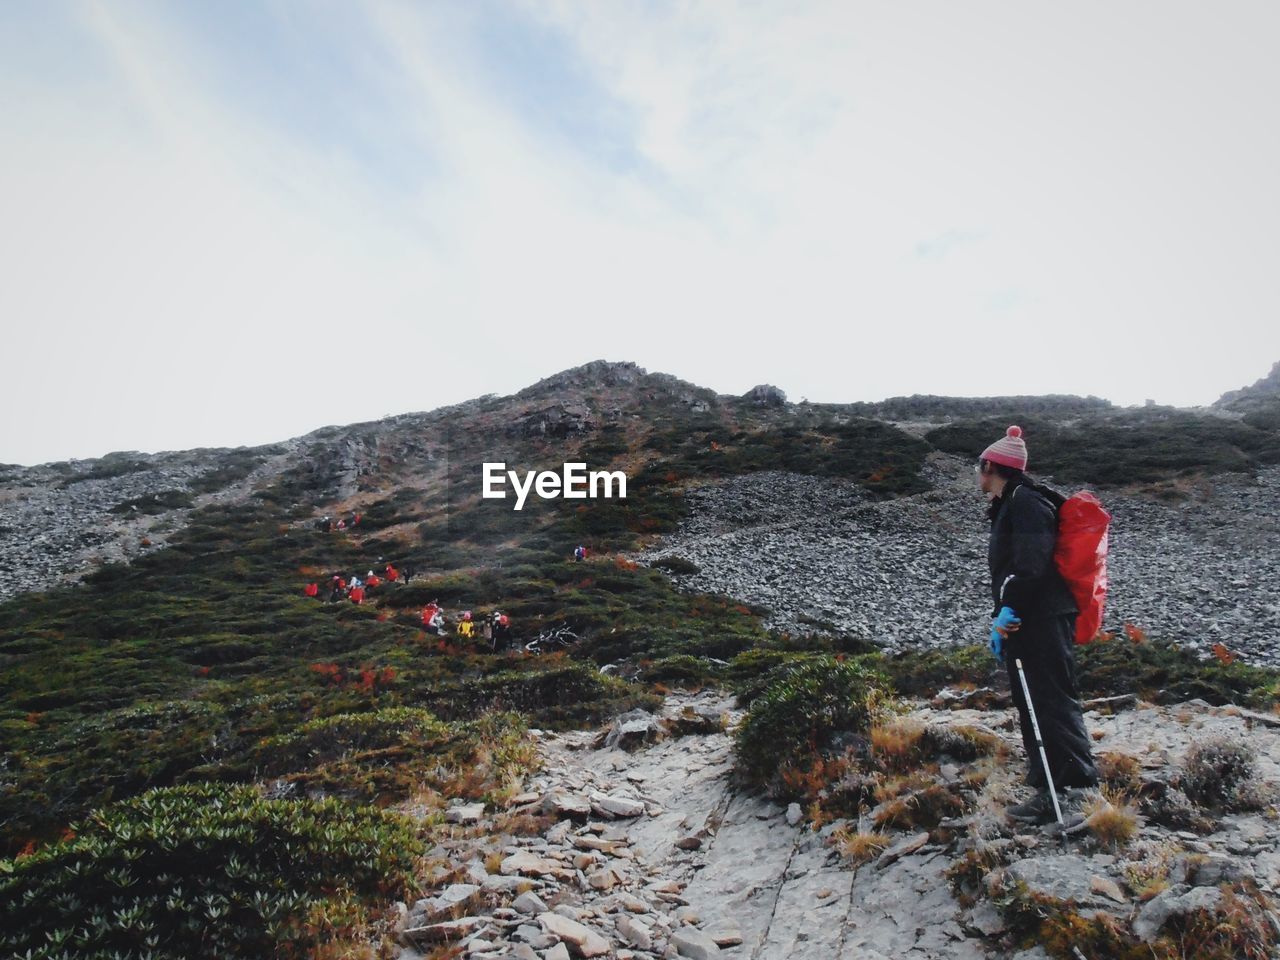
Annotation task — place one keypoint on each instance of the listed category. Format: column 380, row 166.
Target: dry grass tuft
column 862, row 845
column 1110, row 818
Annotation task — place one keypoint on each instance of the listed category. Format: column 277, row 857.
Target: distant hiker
column 466, row 627
column 311, row 589
column 355, row 519
column 372, row 580
column 1034, row 621
column 501, row 630
column 392, row 574
column 342, row 524
column 580, row 553
column 326, row 525
column 355, row 581
column 357, row 595
column 486, row 633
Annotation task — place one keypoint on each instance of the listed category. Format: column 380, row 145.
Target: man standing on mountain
column 1034, row 622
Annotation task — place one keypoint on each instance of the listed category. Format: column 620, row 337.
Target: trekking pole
column 1035, row 726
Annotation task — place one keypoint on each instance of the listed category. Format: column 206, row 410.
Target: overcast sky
column 231, row 223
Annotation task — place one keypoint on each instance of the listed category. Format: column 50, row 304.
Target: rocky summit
column 322, row 698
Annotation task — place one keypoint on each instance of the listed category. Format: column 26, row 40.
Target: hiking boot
column 1037, row 810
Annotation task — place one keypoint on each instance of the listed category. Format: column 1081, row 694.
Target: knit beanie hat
column 1009, row 450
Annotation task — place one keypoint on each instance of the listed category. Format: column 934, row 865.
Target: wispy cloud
column 935, row 248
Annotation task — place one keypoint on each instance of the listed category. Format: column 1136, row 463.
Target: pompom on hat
column 1009, row 450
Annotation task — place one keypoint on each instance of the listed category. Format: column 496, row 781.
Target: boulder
column 529, row 864
column 436, row 932
column 566, row 805
column 631, row 730
column 726, row 933
column 695, row 944
column 905, row 846
column 1062, row 877
column 611, row 805
column 986, row 919
column 450, row 904
column 465, row 813
column 634, row 932
column 584, row 941
column 1175, row 901
column 530, row 903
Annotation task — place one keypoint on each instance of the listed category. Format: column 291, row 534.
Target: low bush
column 676, row 565
column 802, row 713
column 1220, row 774
column 205, row 871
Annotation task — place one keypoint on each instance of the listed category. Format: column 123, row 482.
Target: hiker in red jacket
column 357, row 595
column 392, row 574
column 433, row 618
column 1034, row 621
column 311, row 589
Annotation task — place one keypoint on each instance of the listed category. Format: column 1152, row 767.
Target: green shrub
column 681, row 670
column 676, row 565
column 752, row 671
column 803, row 710
column 202, row 871
column 385, row 755
column 357, row 755
column 560, row 694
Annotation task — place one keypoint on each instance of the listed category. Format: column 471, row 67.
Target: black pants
column 1046, row 648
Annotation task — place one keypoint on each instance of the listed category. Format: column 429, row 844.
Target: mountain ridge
column 605, row 375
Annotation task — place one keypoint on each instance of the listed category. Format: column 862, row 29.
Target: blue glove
column 1006, row 621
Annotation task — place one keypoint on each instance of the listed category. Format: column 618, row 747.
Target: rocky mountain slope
column 912, row 571
column 650, row 850
column 166, row 683
column 1262, row 391
column 1192, row 554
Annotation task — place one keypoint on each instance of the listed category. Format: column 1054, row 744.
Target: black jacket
column 1024, row 529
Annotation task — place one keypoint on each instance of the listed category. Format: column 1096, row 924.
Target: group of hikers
column 328, row 524
column 494, row 631
column 354, row 588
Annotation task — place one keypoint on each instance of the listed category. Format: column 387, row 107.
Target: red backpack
column 1081, row 557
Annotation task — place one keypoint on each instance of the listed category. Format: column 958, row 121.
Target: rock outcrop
column 758, row 884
